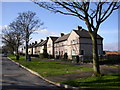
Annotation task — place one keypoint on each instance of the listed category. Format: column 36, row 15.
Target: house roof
column 38, row 44
column 54, row 38
column 85, row 34
column 41, row 43
column 31, row 45
column 82, row 33
column 63, row 38
column 112, row 53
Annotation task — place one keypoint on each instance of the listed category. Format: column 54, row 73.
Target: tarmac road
column 14, row 78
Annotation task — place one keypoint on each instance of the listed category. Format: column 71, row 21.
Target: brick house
column 31, row 48
column 41, row 46
column 61, row 46
column 50, row 45
column 77, row 43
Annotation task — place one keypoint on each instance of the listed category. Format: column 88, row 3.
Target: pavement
column 15, row 77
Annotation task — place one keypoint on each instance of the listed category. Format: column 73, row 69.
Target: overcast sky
column 54, row 24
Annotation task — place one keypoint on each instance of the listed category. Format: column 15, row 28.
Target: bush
column 57, row 56
column 50, row 56
column 44, row 54
column 41, row 55
column 22, row 54
column 34, row 55
column 65, row 56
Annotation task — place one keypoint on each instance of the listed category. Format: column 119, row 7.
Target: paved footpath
column 14, row 78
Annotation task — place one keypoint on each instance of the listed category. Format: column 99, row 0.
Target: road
column 14, row 77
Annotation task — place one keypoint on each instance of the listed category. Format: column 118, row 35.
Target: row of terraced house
column 76, row 43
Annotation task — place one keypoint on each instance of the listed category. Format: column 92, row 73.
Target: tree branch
column 106, row 16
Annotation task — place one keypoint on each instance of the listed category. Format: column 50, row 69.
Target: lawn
column 48, row 68
column 110, row 81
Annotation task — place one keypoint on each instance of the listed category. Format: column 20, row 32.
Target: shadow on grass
column 109, row 81
column 109, row 62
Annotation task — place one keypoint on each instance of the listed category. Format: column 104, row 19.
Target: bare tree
column 28, row 23
column 18, row 35
column 11, row 39
column 92, row 13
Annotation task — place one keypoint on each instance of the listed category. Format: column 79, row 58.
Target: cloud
column 113, row 46
column 46, row 32
column 3, row 27
column 42, row 34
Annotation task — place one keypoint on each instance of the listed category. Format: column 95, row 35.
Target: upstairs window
column 49, row 45
column 74, row 41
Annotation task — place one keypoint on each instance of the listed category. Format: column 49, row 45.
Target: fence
column 105, row 59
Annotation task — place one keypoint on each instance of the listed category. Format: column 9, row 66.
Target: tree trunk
column 96, row 67
column 26, row 56
column 27, row 40
column 17, row 53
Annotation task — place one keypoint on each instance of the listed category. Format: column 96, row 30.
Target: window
column 49, row 45
column 49, row 52
column 82, row 52
column 99, row 53
column 65, row 50
column 73, row 52
column 74, row 41
column 56, row 52
column 61, row 52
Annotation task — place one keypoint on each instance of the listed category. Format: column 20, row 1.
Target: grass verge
column 48, row 68
column 110, row 81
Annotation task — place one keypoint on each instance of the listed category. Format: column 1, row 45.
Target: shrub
column 44, row 54
column 57, row 56
column 41, row 55
column 50, row 56
column 34, row 55
column 65, row 56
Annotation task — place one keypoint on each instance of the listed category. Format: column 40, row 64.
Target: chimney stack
column 35, row 42
column 41, row 40
column 62, row 34
column 79, row 28
column 47, row 38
